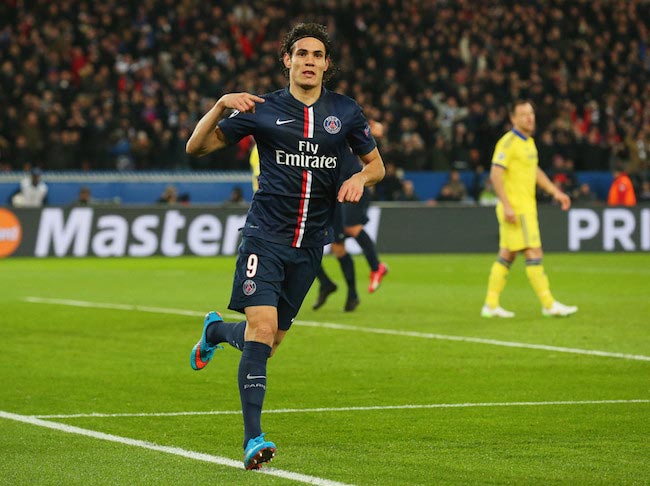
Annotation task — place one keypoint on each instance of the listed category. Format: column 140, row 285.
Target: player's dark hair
column 518, row 102
column 300, row 31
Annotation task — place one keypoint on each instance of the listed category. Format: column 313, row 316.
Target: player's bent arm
column 207, row 137
column 545, row 183
column 373, row 171
column 373, row 167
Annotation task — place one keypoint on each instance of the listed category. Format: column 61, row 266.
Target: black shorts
column 268, row 273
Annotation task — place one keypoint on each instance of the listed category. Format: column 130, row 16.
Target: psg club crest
column 249, row 287
column 332, row 124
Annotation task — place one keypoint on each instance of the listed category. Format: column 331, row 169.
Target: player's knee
column 261, row 333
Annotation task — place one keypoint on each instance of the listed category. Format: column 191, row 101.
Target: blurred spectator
column 408, row 192
column 236, row 198
column 621, row 192
column 389, row 188
column 84, row 198
column 169, row 195
column 563, row 175
column 584, row 194
column 32, row 192
column 454, row 189
column 440, row 154
column 644, row 193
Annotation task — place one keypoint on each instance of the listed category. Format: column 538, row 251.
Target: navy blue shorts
column 268, row 273
column 337, row 223
column 355, row 214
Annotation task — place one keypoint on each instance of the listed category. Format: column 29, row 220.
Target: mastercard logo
column 11, row 233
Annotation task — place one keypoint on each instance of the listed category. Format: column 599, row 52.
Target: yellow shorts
column 520, row 235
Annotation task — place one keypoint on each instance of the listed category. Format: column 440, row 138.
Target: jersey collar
column 519, row 134
column 287, row 91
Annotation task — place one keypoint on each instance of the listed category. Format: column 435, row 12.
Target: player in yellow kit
column 515, row 175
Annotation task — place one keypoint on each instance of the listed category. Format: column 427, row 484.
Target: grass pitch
column 413, row 388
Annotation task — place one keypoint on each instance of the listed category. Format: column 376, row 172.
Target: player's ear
column 286, row 58
column 327, row 63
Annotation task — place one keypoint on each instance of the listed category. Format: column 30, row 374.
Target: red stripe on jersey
column 303, row 210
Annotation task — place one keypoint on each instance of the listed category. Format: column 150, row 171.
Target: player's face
column 523, row 119
column 307, row 63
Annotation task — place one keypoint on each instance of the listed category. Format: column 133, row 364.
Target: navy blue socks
column 230, row 332
column 252, row 386
column 369, row 249
column 347, row 266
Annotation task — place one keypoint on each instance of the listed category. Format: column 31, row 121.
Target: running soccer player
column 349, row 221
column 515, row 174
column 303, row 133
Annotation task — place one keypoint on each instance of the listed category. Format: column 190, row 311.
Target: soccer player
column 349, row 221
column 303, row 133
column 515, row 175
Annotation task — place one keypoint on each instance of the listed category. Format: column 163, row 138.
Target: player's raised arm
column 207, row 137
column 373, row 171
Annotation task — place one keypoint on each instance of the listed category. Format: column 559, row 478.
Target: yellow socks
column 539, row 281
column 496, row 282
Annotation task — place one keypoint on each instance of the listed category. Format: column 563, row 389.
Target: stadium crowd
column 118, row 85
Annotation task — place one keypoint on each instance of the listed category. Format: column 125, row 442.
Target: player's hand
column 563, row 199
column 509, row 214
column 242, row 102
column 352, row 189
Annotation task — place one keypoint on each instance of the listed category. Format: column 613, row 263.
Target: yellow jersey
column 254, row 161
column 517, row 154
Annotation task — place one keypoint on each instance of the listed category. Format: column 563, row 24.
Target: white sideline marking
column 199, row 456
column 345, row 409
column 345, row 327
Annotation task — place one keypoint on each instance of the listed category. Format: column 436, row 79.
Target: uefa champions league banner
column 204, row 231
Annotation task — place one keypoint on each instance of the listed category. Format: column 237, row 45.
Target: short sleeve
column 500, row 156
column 237, row 126
column 359, row 138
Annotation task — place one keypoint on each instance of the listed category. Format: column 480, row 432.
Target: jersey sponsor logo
column 305, row 160
column 307, row 157
column 11, row 232
column 332, row 124
column 284, row 122
column 249, row 287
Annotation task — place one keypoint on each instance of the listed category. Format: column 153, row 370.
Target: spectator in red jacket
column 621, row 192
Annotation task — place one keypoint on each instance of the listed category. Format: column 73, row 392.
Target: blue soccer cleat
column 258, row 451
column 202, row 352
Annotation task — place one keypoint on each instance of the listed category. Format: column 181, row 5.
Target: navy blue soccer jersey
column 304, row 151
